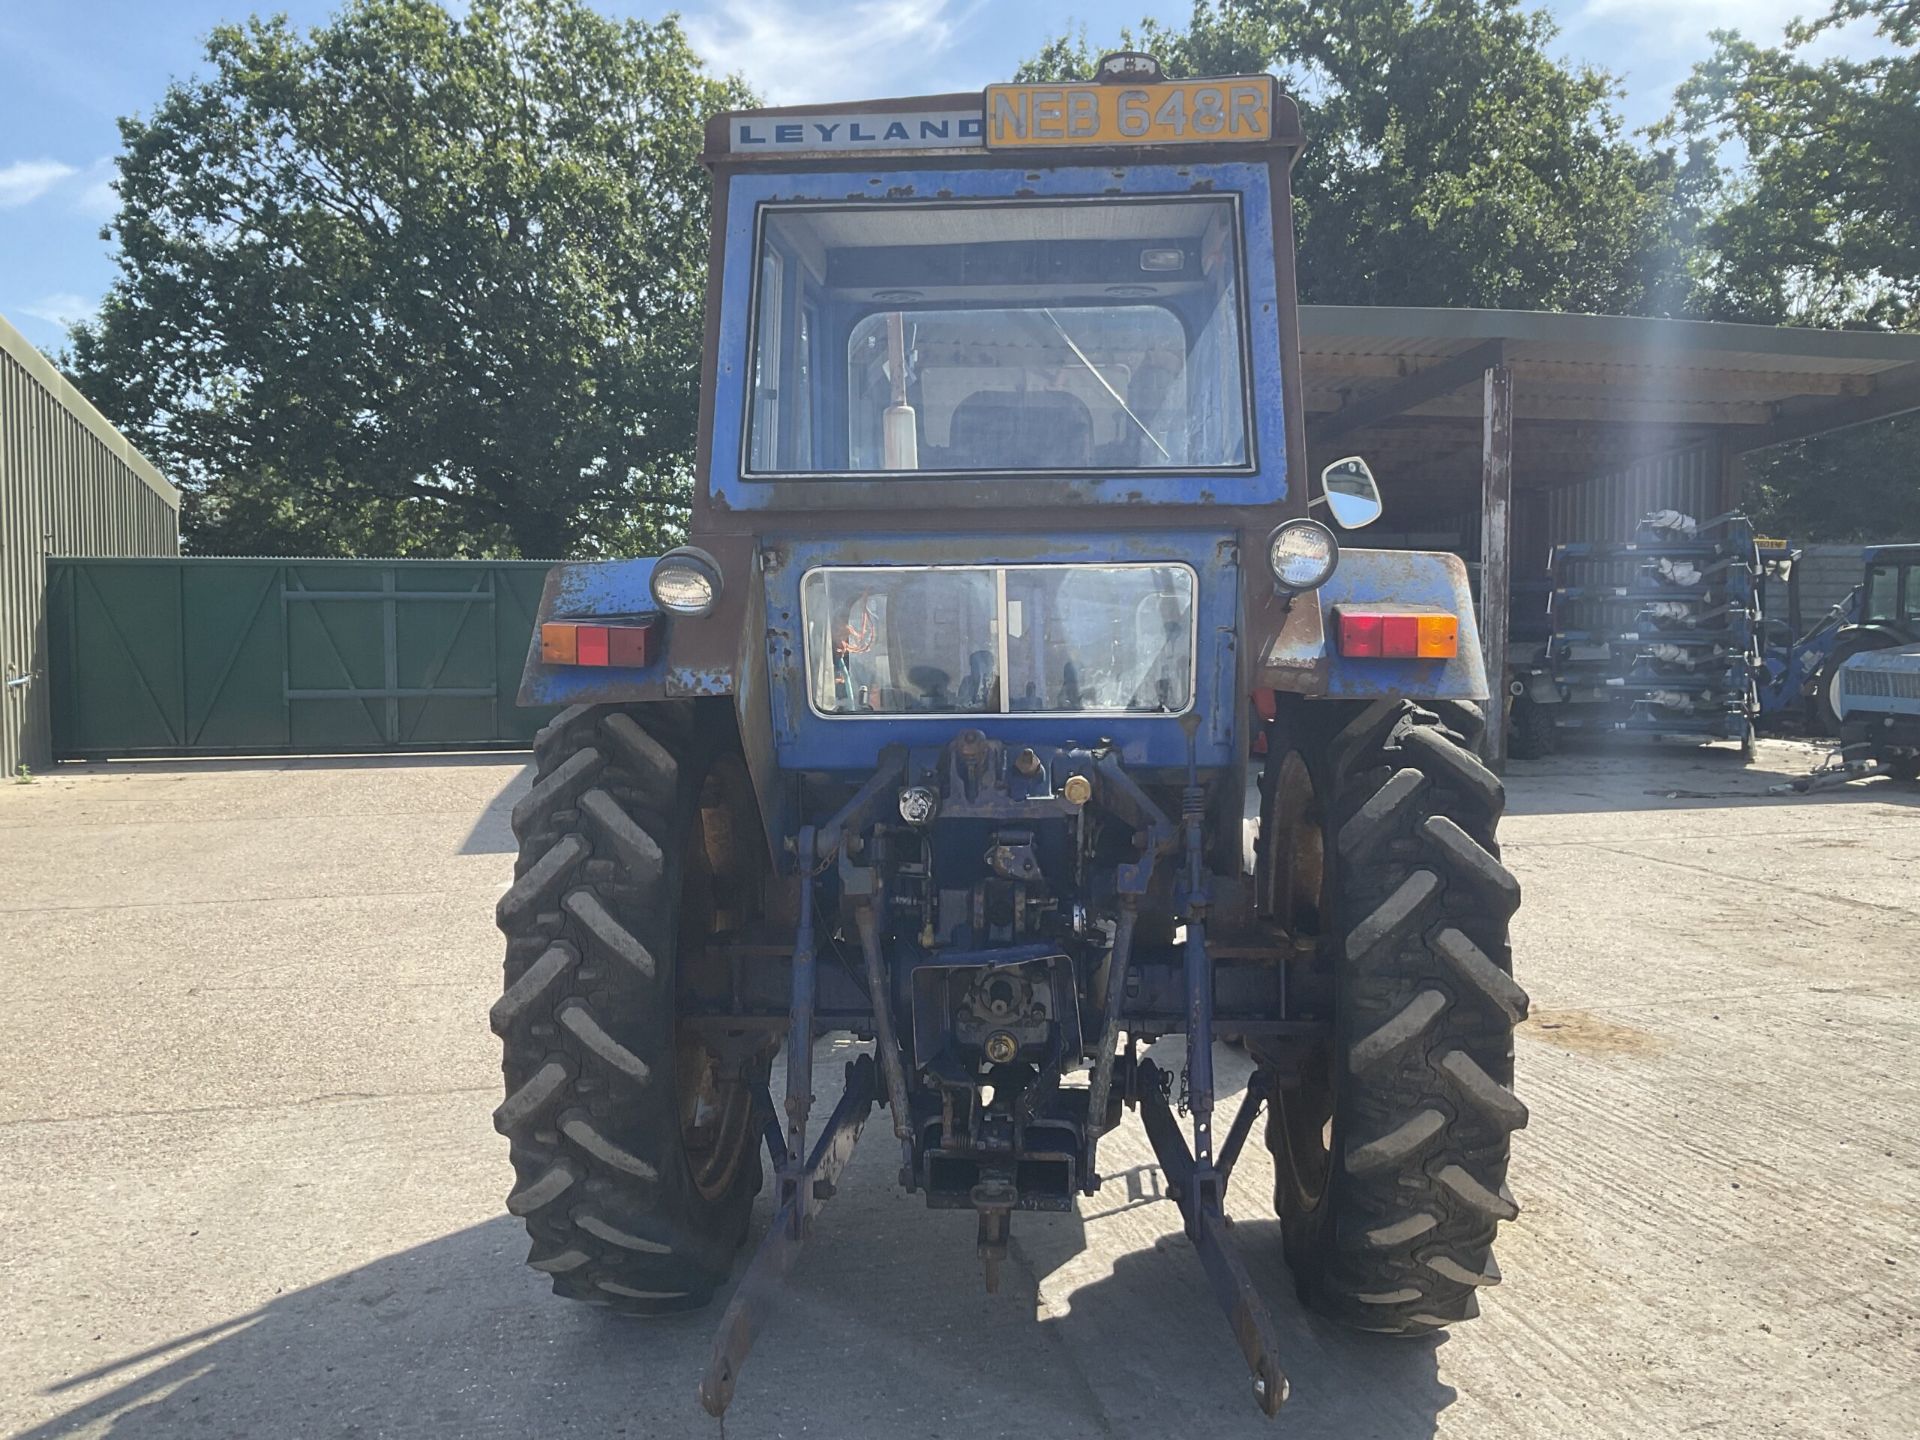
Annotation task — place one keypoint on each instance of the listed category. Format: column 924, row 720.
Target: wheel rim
column 1297, row 852
column 1301, row 1135
column 718, row 894
column 1301, row 1138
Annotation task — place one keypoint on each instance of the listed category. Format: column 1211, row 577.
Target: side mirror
column 1352, row 495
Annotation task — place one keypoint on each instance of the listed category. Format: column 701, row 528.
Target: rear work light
column 627, row 644
column 1397, row 634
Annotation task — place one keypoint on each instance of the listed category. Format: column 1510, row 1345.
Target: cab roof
column 963, row 124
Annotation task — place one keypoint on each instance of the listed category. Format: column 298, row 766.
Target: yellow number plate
column 1174, row 113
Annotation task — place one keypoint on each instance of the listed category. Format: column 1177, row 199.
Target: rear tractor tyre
column 1390, row 1155
column 634, row 1137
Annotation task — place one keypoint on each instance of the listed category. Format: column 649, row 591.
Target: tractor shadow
column 1123, row 1294
column 492, row 832
column 1158, row 1352
column 885, row 1331
column 454, row 1338
column 1103, row 1323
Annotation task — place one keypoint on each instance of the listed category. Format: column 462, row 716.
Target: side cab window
column 1884, row 600
column 785, row 362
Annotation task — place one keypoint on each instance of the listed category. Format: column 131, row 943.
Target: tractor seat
column 1021, row 430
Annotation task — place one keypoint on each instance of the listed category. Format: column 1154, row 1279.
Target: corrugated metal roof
column 1545, row 335
column 1604, row 369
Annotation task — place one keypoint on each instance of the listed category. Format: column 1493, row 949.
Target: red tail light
column 1361, row 634
column 590, row 645
column 1397, row 634
column 627, row 644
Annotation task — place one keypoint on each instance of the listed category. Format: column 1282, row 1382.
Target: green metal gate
column 199, row 656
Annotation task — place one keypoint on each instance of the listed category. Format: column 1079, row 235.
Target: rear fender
column 717, row 657
column 1294, row 648
column 697, row 657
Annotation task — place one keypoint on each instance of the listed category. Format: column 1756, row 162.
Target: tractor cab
column 1890, row 598
column 1002, row 429
column 1006, row 580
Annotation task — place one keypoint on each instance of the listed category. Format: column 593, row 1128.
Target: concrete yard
column 252, row 1188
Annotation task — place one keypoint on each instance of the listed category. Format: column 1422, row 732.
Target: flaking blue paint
column 593, row 589
column 1404, row 577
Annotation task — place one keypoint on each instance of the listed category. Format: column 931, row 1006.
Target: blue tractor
column 1872, row 683
column 1879, row 698
column 939, row 731
column 1883, row 613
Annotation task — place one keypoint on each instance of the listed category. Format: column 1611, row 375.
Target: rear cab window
column 1052, row 336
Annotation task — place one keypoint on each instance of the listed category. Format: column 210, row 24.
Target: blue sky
column 67, row 71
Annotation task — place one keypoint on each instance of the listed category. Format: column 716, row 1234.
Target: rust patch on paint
column 688, row 680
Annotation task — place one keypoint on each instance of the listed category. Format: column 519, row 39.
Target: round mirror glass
column 1353, row 497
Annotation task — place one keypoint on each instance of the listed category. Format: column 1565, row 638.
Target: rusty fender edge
column 1297, row 654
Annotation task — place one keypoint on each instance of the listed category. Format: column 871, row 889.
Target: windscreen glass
column 1054, row 639
column 998, row 337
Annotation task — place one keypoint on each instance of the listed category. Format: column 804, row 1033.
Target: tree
column 1853, row 485
column 1821, row 222
column 1818, row 224
column 412, row 283
column 1450, row 160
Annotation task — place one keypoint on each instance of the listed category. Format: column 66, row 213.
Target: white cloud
column 1686, row 24
column 97, row 198
column 61, row 309
column 1654, row 44
column 1691, row 20
column 795, row 54
column 25, row 181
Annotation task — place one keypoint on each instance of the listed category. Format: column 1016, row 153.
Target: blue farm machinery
column 1867, row 688
column 1696, row 628
column 1796, row 660
column 940, row 730
column 1879, row 699
column 1882, row 613
column 1658, row 634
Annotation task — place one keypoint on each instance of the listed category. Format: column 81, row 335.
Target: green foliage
column 1861, row 484
column 417, row 284
column 1818, row 225
column 1821, row 223
column 413, row 283
column 1450, row 159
